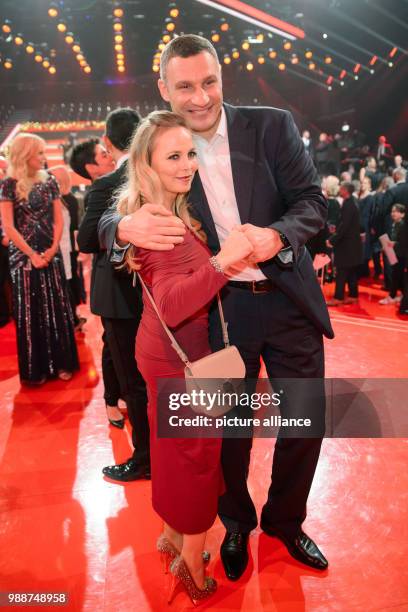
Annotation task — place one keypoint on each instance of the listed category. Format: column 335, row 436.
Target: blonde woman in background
column 32, row 220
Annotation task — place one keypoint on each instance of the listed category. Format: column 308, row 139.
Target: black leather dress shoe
column 125, row 472
column 301, row 547
column 234, row 554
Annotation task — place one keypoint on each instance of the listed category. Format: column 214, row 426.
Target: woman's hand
column 235, row 248
column 49, row 254
column 38, row 260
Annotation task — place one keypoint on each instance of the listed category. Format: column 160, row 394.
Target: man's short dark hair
column 349, row 187
column 82, row 154
column 399, row 208
column 120, row 126
column 184, row 46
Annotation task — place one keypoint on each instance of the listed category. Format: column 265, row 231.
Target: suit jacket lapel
column 201, row 211
column 242, row 139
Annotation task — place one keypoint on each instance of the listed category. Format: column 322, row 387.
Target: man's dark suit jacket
column 112, row 293
column 276, row 185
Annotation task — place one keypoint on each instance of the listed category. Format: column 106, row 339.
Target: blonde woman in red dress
column 186, row 473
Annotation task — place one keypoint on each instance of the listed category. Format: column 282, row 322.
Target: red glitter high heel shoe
column 168, row 552
column 182, row 579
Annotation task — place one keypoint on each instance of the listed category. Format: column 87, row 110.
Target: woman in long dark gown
column 32, row 219
column 186, row 473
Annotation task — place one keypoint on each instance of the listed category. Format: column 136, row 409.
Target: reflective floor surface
column 63, row 528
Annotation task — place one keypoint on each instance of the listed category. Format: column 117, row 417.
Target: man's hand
column 265, row 241
column 151, row 227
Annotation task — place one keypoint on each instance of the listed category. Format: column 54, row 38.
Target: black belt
column 262, row 286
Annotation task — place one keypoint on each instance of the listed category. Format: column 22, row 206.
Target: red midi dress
column 186, row 473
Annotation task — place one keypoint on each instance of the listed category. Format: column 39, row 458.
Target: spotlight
column 308, row 54
column 260, row 38
column 372, row 71
column 166, row 38
column 18, row 39
column 30, row 48
column 261, row 59
column 38, row 57
column 356, row 77
column 8, row 64
column 215, row 37
column 328, row 60
column 76, row 48
column 119, row 48
column 118, row 38
column 390, row 64
column 120, row 62
column 224, row 27
column 170, row 25
column 282, row 66
column 120, row 56
column 87, row 69
column 52, row 70
column 82, row 63
column 161, row 46
column 80, row 57
column 156, row 68
column 345, row 127
column 121, row 68
column 342, row 83
column 245, row 45
column 118, row 12
column 174, row 12
column 249, row 66
column 6, row 27
column 312, row 66
column 46, row 63
column 330, row 88
column 287, row 45
column 69, row 38
column 117, row 26
column 62, row 27
column 53, row 11
column 272, row 54
column 227, row 59
column 235, row 53
column 325, row 35
column 294, row 59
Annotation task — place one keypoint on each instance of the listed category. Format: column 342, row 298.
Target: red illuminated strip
column 329, row 80
column 343, row 74
column 393, row 51
column 373, row 60
column 356, row 68
column 251, row 11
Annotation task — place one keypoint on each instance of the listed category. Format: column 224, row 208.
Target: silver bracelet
column 215, row 264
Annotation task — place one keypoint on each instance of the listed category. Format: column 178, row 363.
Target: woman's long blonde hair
column 23, row 147
column 143, row 184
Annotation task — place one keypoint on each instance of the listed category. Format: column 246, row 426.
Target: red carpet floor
column 63, row 528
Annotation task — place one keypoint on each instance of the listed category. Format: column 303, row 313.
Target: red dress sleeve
column 180, row 295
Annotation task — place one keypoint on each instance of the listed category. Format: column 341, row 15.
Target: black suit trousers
column 271, row 327
column 120, row 336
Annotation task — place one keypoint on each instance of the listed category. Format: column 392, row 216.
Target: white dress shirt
column 214, row 167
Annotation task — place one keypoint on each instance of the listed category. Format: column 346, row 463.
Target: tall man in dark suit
column 115, row 300
column 253, row 172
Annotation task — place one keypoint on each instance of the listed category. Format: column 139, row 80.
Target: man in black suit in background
column 253, row 172
column 115, row 300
